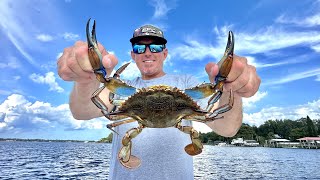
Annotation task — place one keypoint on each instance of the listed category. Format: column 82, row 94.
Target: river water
column 71, row 160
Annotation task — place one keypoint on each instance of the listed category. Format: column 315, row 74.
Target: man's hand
column 242, row 79
column 74, row 64
column 244, row 82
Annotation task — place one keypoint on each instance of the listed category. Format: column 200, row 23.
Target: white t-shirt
column 161, row 150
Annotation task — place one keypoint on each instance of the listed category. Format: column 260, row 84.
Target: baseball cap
column 148, row 31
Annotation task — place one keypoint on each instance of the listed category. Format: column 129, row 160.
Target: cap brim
column 158, row 39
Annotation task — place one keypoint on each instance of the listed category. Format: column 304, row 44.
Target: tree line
column 287, row 129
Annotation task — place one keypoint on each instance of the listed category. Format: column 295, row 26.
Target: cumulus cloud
column 131, row 71
column 48, row 79
column 19, row 114
column 312, row 109
column 249, row 102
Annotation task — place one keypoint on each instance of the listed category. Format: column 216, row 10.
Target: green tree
column 246, row 132
column 296, row 133
column 106, row 139
column 311, row 130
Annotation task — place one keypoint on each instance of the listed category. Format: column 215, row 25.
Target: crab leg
column 222, row 109
column 115, row 124
column 196, row 146
column 125, row 157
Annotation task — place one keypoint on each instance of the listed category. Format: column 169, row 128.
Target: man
column 160, row 150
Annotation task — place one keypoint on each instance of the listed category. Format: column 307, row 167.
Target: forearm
column 81, row 106
column 232, row 121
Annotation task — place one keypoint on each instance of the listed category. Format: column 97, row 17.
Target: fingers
column 212, row 69
column 74, row 64
column 252, row 86
column 243, row 78
column 237, row 68
column 109, row 61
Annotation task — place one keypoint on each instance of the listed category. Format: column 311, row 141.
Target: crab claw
column 215, row 89
column 95, row 55
column 225, row 63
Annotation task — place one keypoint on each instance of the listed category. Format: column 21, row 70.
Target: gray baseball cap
column 148, row 31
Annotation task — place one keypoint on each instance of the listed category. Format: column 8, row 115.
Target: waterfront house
column 310, row 142
column 241, row 142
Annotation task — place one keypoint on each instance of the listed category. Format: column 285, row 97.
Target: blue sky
column 281, row 38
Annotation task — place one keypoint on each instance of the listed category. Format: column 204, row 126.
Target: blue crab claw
column 215, row 89
column 117, row 86
column 225, row 63
column 95, row 55
column 201, row 91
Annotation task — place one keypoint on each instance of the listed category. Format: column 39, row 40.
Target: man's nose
column 148, row 52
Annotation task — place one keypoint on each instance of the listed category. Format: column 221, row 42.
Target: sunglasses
column 154, row 48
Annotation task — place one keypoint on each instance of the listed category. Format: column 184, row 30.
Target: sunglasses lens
column 156, row 48
column 139, row 48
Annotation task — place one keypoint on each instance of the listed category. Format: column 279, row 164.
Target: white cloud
column 70, row 36
column 313, row 20
column 49, row 79
column 19, row 27
column 44, row 37
column 293, row 77
column 262, row 41
column 312, row 109
column 19, row 114
column 161, row 7
column 316, row 48
column 249, row 102
column 130, row 72
column 59, row 55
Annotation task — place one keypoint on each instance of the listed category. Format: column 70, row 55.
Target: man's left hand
column 242, row 79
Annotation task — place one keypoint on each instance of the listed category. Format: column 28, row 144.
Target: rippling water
column 53, row 160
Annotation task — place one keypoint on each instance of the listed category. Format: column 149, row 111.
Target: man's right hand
column 74, row 64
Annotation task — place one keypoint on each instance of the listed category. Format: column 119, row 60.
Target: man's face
column 150, row 64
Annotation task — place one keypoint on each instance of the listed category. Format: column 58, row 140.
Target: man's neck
column 147, row 77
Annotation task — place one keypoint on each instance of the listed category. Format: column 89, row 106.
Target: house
column 310, row 142
column 247, row 143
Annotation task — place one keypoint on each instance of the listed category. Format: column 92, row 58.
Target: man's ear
column 165, row 53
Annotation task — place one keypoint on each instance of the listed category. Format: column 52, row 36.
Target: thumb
column 109, row 61
column 212, row 70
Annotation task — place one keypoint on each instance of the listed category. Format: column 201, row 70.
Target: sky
column 280, row 38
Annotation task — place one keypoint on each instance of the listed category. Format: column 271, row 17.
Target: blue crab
column 158, row 106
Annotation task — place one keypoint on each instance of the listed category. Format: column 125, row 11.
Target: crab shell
column 158, row 106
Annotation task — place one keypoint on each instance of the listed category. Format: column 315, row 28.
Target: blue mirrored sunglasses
column 154, row 48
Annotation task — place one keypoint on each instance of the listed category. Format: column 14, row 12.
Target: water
column 69, row 160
